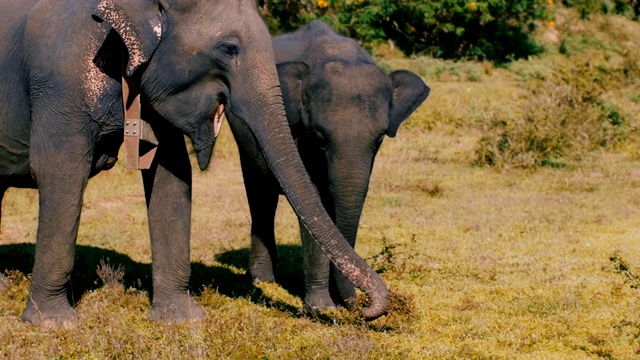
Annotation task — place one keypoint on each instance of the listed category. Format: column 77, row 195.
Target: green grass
column 484, row 262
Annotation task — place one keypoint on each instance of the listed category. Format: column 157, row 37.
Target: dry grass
column 483, row 264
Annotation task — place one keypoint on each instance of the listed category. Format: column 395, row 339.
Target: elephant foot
column 262, row 262
column 180, row 309
column 259, row 275
column 49, row 314
column 318, row 301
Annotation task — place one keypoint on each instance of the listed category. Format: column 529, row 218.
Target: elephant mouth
column 217, row 118
column 202, row 141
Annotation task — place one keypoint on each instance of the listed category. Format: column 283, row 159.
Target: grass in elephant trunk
column 484, row 261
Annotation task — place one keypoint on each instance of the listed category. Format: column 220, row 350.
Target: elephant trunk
column 348, row 171
column 349, row 195
column 348, row 184
column 272, row 132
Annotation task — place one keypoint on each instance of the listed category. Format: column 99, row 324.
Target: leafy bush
column 496, row 30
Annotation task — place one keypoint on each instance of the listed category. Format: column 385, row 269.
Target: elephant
column 63, row 65
column 340, row 106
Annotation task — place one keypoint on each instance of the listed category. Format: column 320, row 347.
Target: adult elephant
column 61, row 121
column 340, row 106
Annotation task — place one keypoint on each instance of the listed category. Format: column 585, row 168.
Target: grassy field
column 511, row 261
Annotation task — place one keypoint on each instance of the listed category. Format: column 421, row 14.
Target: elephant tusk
column 218, row 117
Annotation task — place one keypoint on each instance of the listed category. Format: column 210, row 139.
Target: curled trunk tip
column 379, row 298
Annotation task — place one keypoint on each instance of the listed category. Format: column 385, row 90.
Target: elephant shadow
column 289, row 272
column 88, row 259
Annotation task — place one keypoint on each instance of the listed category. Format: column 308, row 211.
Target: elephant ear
column 409, row 91
column 292, row 76
column 139, row 24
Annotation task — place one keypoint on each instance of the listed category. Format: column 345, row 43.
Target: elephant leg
column 61, row 169
column 4, row 282
column 263, row 256
column 3, row 189
column 263, row 202
column 167, row 186
column 316, row 274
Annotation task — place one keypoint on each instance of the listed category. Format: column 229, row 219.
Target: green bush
column 496, row 30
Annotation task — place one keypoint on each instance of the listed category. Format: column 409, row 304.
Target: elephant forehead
column 356, row 119
column 348, row 79
column 350, row 101
column 213, row 16
column 198, row 32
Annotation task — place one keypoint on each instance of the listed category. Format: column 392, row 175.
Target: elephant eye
column 228, row 48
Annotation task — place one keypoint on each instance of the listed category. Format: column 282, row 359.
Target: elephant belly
column 14, row 120
column 14, row 138
column 14, row 165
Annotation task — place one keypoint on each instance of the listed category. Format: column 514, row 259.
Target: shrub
column 496, row 30
column 564, row 117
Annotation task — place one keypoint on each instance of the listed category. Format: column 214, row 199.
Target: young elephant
column 340, row 106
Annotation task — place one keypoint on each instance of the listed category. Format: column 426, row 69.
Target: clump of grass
column 400, row 317
column 621, row 267
column 384, row 260
column 628, row 327
column 17, row 285
column 110, row 275
column 433, row 189
column 631, row 330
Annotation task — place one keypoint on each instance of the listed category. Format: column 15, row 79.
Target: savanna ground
column 532, row 257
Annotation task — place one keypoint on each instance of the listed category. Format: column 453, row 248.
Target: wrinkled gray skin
column 340, row 106
column 61, row 122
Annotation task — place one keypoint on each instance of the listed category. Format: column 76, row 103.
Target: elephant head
column 192, row 56
column 345, row 112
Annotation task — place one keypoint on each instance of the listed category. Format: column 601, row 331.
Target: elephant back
column 315, row 44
